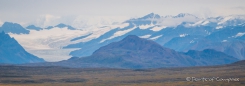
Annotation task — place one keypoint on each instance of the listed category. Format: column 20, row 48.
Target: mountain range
column 182, row 33
column 10, row 27
column 134, row 53
column 193, row 34
column 11, row 52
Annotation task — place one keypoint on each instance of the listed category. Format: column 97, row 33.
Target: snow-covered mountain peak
column 232, row 20
column 151, row 16
column 184, row 15
column 221, row 21
column 15, row 28
column 173, row 21
column 61, row 25
column 92, row 32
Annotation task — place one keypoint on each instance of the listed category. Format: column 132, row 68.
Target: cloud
column 82, row 21
column 204, row 12
column 78, row 21
column 1, row 23
column 46, row 20
column 169, row 21
column 239, row 8
column 226, row 11
column 67, row 11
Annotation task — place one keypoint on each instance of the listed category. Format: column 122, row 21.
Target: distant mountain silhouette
column 242, row 62
column 210, row 57
column 134, row 52
column 33, row 27
column 201, row 33
column 61, row 25
column 13, row 28
column 139, row 53
column 147, row 19
column 49, row 27
column 11, row 52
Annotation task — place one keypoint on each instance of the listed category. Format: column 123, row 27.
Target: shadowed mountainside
column 134, row 52
column 11, row 52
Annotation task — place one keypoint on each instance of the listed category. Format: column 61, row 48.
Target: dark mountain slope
column 33, row 27
column 11, row 52
column 210, row 57
column 13, row 28
column 134, row 52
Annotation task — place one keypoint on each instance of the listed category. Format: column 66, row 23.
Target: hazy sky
column 29, row 11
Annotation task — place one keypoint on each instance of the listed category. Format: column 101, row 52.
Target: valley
column 62, row 76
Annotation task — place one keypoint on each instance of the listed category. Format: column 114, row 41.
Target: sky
column 50, row 12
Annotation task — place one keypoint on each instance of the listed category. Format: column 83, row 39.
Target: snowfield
column 48, row 43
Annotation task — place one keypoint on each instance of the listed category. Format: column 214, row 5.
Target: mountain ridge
column 137, row 53
column 13, row 28
column 13, row 53
column 157, row 29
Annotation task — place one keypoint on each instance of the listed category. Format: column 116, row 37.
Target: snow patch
column 123, row 25
column 118, row 33
column 224, row 41
column 156, row 37
column 197, row 23
column 239, row 34
column 219, row 27
column 207, row 32
column 224, row 20
column 231, row 17
column 205, row 22
column 183, row 35
column 158, row 28
column 98, row 31
column 192, row 41
column 145, row 36
column 145, row 26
